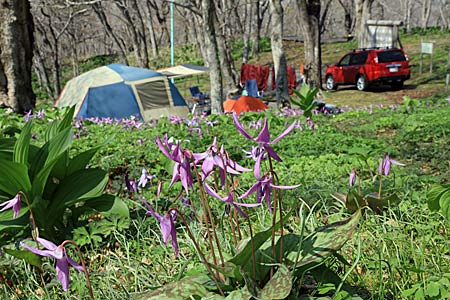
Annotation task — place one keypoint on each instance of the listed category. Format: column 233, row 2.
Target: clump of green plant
column 262, row 264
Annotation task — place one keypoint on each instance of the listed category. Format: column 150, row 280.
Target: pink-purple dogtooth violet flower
column 263, row 139
column 352, row 178
column 131, row 185
column 213, row 156
column 166, row 225
column 263, row 186
column 385, row 165
column 62, row 259
column 229, row 199
column 182, row 167
column 145, row 177
column 14, row 203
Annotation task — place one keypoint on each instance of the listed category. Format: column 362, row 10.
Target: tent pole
column 172, row 57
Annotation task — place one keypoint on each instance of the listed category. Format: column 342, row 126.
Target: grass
column 400, row 253
column 403, row 249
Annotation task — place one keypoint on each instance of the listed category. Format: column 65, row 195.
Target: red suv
column 366, row 66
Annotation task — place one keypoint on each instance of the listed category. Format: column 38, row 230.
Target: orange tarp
column 244, row 103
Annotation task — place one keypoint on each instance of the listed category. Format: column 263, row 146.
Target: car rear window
column 390, row 56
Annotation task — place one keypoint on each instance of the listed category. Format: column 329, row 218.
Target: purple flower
column 263, row 139
column 215, row 157
column 40, row 114
column 182, row 167
column 62, row 259
column 262, row 189
column 131, row 185
column 14, row 203
column 166, row 224
column 310, row 123
column 230, row 201
column 28, row 115
column 352, row 178
column 145, row 177
column 385, row 165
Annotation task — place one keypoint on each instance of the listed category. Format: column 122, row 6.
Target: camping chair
column 251, row 86
column 197, row 95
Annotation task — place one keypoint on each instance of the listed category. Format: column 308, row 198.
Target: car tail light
column 406, row 56
column 375, row 59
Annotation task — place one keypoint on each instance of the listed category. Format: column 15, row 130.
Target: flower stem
column 202, row 256
column 381, row 184
column 34, row 230
column 253, row 248
column 86, row 274
column 208, row 214
column 274, row 221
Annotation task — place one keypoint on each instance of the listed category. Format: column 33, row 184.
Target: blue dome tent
column 120, row 91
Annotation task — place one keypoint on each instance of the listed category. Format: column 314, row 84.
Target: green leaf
column 66, row 122
column 434, row 195
column 279, row 286
column 56, row 147
column 14, row 177
column 419, row 295
column 80, row 161
column 20, row 154
column 432, row 289
column 409, row 292
column 186, row 288
column 377, row 204
column 59, row 143
column 50, row 131
column 444, row 203
column 242, row 294
column 81, row 185
column 29, row 257
column 324, row 241
column 244, row 255
column 109, row 205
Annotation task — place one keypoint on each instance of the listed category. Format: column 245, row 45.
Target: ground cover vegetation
column 274, row 205
column 294, row 204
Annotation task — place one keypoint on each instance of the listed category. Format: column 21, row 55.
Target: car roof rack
column 371, row 48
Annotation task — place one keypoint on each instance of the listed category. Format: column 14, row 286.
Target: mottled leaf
column 242, row 294
column 324, row 241
column 29, row 257
column 279, row 286
column 179, row 290
column 244, row 255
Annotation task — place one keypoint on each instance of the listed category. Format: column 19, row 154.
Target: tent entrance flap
column 153, row 94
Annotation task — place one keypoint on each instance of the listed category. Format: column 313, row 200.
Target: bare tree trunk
column 16, row 55
column 151, row 30
column 407, row 9
column 212, row 55
column 348, row 16
column 226, row 63
column 362, row 10
column 279, row 57
column 426, row 11
column 444, row 8
column 40, row 68
column 309, row 11
column 100, row 13
column 136, row 35
column 247, row 30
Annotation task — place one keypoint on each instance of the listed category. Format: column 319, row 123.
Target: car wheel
column 397, row 85
column 330, row 83
column 361, row 83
